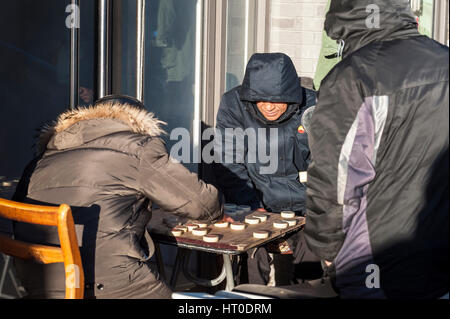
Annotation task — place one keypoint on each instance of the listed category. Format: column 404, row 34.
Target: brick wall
column 296, row 29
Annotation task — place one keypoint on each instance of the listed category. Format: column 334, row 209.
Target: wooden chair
column 69, row 252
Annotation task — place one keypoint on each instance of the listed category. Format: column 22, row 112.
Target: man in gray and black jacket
column 378, row 196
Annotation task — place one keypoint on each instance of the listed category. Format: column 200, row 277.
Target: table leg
column 5, row 270
column 229, row 272
column 199, row 281
column 176, row 267
column 159, row 261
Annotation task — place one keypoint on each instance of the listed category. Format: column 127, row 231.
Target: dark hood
column 346, row 20
column 271, row 77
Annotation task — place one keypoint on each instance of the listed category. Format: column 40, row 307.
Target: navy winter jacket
column 269, row 77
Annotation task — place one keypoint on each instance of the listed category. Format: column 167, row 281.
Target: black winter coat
column 109, row 164
column 377, row 204
column 269, row 77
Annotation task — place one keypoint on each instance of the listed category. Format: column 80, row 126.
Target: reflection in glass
column 237, row 56
column 169, row 86
column 34, row 87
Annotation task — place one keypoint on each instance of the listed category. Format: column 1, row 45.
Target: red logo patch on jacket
column 301, row 129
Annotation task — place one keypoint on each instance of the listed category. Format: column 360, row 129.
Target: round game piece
column 211, row 238
column 177, row 232
column 261, row 234
column 183, row 228
column 252, row 220
column 262, row 218
column 191, row 227
column 287, row 214
column 229, row 206
column 291, row 222
column 221, row 225
column 237, row 226
column 303, row 177
column 280, row 225
column 201, row 225
column 245, row 208
column 200, row 231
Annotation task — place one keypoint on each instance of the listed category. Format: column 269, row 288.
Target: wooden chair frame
column 69, row 253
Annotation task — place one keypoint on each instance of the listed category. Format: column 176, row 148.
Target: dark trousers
column 303, row 264
column 298, row 276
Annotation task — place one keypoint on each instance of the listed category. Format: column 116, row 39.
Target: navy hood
column 348, row 20
column 271, row 77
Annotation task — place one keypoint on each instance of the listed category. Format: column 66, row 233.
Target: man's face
column 272, row 111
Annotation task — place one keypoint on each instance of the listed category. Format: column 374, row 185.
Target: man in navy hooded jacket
column 270, row 100
column 271, row 85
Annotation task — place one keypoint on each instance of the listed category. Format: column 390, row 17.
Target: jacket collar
column 70, row 127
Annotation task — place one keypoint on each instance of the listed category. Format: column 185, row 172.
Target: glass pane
column 86, row 55
column 34, row 87
column 124, row 47
column 236, row 58
column 88, row 30
column 170, row 55
column 424, row 10
column 34, row 84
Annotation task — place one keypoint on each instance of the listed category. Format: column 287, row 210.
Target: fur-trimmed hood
column 83, row 124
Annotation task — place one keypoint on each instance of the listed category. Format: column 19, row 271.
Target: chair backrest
column 69, row 253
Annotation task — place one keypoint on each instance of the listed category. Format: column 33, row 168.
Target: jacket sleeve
column 342, row 143
column 174, row 188
column 310, row 97
column 232, row 178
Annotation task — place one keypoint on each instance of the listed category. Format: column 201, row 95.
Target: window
column 34, row 87
column 424, row 10
column 240, row 40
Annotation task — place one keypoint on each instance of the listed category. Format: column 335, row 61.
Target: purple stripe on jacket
column 356, row 252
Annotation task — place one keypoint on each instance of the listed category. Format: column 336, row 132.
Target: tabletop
column 231, row 242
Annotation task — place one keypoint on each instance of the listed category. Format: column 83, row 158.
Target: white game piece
column 291, row 222
column 280, row 225
column 177, row 232
column 261, row 234
column 287, row 214
column 183, row 228
column 191, row 227
column 303, row 176
column 252, row 220
column 262, row 218
column 211, row 238
column 237, row 226
column 221, row 224
column 201, row 225
column 200, row 231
